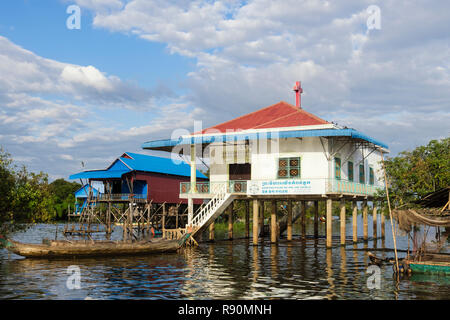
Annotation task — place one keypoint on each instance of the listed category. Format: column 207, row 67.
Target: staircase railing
column 205, row 212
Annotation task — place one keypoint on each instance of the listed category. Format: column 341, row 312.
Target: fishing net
column 408, row 218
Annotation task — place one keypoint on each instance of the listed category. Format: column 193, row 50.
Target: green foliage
column 63, row 196
column 27, row 197
column 413, row 174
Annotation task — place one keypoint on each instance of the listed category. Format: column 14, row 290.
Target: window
column 371, row 176
column 350, row 171
column 337, row 168
column 361, row 173
column 288, row 168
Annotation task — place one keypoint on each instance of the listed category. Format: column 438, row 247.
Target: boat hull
column 430, row 267
column 65, row 249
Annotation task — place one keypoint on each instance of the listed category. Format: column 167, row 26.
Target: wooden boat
column 430, row 263
column 70, row 249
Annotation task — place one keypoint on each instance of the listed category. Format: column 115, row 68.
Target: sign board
column 285, row 186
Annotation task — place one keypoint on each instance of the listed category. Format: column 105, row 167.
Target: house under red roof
column 279, row 115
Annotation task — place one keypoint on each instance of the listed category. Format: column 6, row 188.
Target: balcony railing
column 345, row 186
column 233, row 186
column 121, row 197
column 322, row 185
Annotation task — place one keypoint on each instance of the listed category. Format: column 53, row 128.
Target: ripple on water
column 224, row 270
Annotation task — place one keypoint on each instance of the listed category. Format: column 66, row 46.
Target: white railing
column 205, row 212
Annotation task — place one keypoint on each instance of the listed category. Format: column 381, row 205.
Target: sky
column 136, row 70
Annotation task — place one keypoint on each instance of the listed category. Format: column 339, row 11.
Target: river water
column 301, row 269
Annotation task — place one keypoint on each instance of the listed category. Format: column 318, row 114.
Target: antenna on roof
column 298, row 91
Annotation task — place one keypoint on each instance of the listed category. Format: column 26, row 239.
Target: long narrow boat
column 70, row 249
column 430, row 263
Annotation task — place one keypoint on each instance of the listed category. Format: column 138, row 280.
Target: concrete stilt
column 255, row 221
column 211, row 232
column 355, row 221
column 329, row 221
column 342, row 211
column 365, row 221
column 303, row 219
column 374, row 219
column 289, row 221
column 247, row 219
column 273, row 222
column 316, row 219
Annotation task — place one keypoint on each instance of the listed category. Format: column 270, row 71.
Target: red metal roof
column 279, row 115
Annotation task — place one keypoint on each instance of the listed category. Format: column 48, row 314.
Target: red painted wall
column 164, row 188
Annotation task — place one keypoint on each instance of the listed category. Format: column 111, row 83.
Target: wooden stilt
column 289, row 221
column 329, row 221
column 365, row 221
column 255, row 221
column 273, row 222
column 355, row 221
column 230, row 221
column 342, row 211
column 303, row 219
column 316, row 219
column 247, row 219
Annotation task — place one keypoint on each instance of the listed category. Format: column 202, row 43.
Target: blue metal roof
column 142, row 162
column 99, row 174
column 139, row 162
column 207, row 139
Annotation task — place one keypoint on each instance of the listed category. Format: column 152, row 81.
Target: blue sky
column 139, row 69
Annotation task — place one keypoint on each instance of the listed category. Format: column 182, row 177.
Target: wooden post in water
column 289, row 221
column 374, row 219
column 230, row 221
column 303, row 219
column 164, row 217
column 273, row 222
column 342, row 211
column 211, row 231
column 247, row 219
column 382, row 221
column 261, row 217
column 355, row 221
column 365, row 221
column 255, row 221
column 316, row 219
column 329, row 221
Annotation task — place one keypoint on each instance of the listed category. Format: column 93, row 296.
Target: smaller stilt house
column 81, row 196
column 147, row 184
column 280, row 153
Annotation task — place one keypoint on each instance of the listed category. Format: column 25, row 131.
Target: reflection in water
column 301, row 269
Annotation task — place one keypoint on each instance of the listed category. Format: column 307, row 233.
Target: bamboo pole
column 211, row 231
column 374, row 219
column 390, row 213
